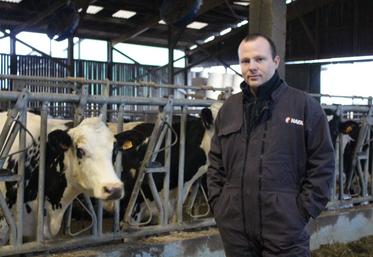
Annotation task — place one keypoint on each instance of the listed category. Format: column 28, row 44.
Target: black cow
column 133, row 144
column 350, row 129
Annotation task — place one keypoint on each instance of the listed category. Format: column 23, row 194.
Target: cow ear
column 60, row 140
column 127, row 144
column 129, row 139
column 206, row 116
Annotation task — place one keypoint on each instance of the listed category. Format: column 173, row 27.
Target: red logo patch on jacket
column 290, row 120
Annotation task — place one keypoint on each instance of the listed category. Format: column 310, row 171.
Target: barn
column 107, row 124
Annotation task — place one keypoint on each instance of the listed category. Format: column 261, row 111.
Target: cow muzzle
column 113, row 191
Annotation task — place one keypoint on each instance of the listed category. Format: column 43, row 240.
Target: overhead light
column 197, row 25
column 242, row 23
column 209, row 39
column 12, row 1
column 289, row 1
column 93, row 9
column 241, row 3
column 193, row 47
column 225, row 31
column 123, row 14
column 162, row 22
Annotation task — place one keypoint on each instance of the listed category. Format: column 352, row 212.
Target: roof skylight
column 124, row 14
column 12, row 1
column 93, row 9
column 197, row 25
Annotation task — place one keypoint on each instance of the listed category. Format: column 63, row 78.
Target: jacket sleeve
column 215, row 174
column 316, row 187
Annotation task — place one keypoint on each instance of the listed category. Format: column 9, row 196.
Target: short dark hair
column 254, row 36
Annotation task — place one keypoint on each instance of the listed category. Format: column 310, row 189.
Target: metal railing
column 81, row 101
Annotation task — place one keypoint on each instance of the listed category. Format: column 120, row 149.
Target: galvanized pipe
column 180, row 182
column 109, row 237
column 340, row 171
column 118, row 169
column 41, row 181
column 103, row 82
column 167, row 162
column 11, row 95
column 21, row 173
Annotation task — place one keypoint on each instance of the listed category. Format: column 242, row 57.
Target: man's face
column 256, row 62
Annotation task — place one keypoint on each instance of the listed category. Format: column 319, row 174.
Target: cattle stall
column 83, row 103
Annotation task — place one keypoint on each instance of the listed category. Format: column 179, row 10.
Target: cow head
column 88, row 161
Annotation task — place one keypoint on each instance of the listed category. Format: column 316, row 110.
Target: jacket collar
column 264, row 92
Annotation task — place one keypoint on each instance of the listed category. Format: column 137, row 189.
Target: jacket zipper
column 247, row 140
column 260, row 181
column 242, row 185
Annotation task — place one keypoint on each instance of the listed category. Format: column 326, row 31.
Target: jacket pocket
column 302, row 211
column 229, row 128
column 227, row 209
column 282, row 219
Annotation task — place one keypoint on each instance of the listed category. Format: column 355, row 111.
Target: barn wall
column 57, row 67
column 304, row 77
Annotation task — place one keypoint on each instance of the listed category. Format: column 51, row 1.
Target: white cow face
column 88, row 162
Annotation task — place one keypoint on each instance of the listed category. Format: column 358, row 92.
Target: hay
column 361, row 248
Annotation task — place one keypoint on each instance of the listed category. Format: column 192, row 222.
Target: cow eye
column 80, row 152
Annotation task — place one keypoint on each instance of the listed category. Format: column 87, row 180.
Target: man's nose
column 252, row 66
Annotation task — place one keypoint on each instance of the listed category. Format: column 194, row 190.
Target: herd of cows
column 80, row 160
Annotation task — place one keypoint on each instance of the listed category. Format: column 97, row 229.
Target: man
column 271, row 160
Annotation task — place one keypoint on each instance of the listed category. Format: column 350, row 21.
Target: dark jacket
column 270, row 183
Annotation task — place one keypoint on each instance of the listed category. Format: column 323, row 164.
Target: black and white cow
column 133, row 143
column 349, row 130
column 78, row 160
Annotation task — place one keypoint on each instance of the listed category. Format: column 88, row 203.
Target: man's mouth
column 255, row 77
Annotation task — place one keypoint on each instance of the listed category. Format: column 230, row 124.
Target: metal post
column 118, row 169
column 21, row 173
column 180, row 182
column 41, row 183
column 104, row 108
column 167, row 164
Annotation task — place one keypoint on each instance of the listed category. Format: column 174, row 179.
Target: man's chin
column 255, row 84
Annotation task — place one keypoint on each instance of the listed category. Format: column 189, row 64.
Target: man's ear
column 60, row 140
column 277, row 60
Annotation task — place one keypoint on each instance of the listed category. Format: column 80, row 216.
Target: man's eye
column 80, row 153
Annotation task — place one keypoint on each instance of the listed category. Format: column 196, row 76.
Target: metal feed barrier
column 97, row 235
